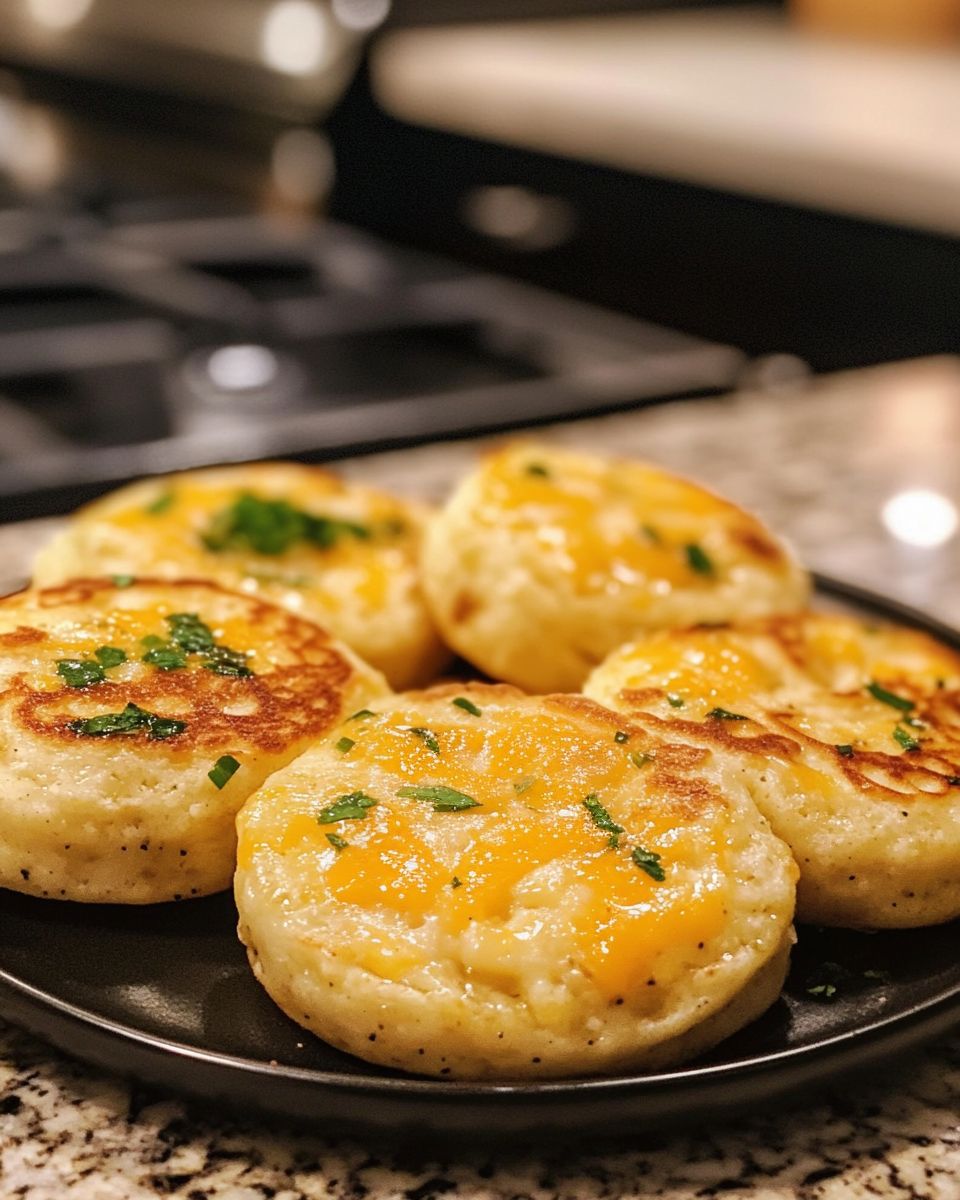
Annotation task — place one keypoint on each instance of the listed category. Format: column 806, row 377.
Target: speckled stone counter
column 819, row 463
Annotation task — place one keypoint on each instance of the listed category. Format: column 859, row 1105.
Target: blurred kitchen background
column 239, row 228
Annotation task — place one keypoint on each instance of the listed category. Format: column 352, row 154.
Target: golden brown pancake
column 850, row 734
column 136, row 719
column 470, row 882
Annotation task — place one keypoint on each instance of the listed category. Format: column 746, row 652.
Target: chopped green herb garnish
column 361, row 713
column 345, row 744
column 443, row 799
column 537, row 469
column 698, row 560
column 273, row 526
column 337, row 842
column 455, row 882
column 648, row 861
column 352, row 807
column 109, row 656
column 620, row 737
column 675, row 700
column 166, row 658
column 161, row 728
column 723, row 714
column 161, row 504
column 132, row 718
column 429, row 739
column 652, row 534
column 190, row 633
column 123, row 581
column 152, row 642
column 223, row 771
column 827, row 981
column 524, row 785
column 891, row 698
column 80, row 672
column 640, row 759
column 913, row 722
column 602, row 819
column 846, row 750
column 906, row 740
column 467, row 706
column 877, row 976
column 224, row 661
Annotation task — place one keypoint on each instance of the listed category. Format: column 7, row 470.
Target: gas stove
column 158, row 334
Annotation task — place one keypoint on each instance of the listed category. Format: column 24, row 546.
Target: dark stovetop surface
column 164, row 333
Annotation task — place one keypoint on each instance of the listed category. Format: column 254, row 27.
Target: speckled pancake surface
column 470, row 882
column 135, row 719
column 545, row 560
column 850, row 732
column 340, row 554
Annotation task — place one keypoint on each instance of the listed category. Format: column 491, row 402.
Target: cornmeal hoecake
column 545, row 560
column 340, row 554
column 849, row 733
column 469, row 882
column 135, row 719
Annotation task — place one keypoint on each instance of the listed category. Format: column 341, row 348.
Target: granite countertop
column 819, row 462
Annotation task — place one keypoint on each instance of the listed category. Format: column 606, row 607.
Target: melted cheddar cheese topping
column 175, row 522
column 125, row 628
column 610, row 526
column 528, row 838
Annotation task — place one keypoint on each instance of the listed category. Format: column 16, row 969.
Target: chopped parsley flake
column 640, row 759
column 190, row 633
column 361, row 713
column 337, row 842
column 845, row 750
column 110, row 656
column 443, row 799
column 698, row 560
column 675, row 700
column 345, row 744
column 273, row 526
column 352, row 807
column 649, row 861
column 524, row 785
column 123, row 581
column 132, row 719
column 652, row 534
column 161, row 504
column 80, row 672
column 891, row 698
column 620, row 737
column 166, row 658
column 429, row 739
column 906, row 740
column 223, row 771
column 724, row 714
column 455, row 882
column 826, row 980
column 602, row 819
column 467, row 706
column 538, row 470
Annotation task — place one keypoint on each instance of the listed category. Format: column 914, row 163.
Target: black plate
column 163, row 993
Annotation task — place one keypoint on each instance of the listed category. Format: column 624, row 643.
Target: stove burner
column 132, row 344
